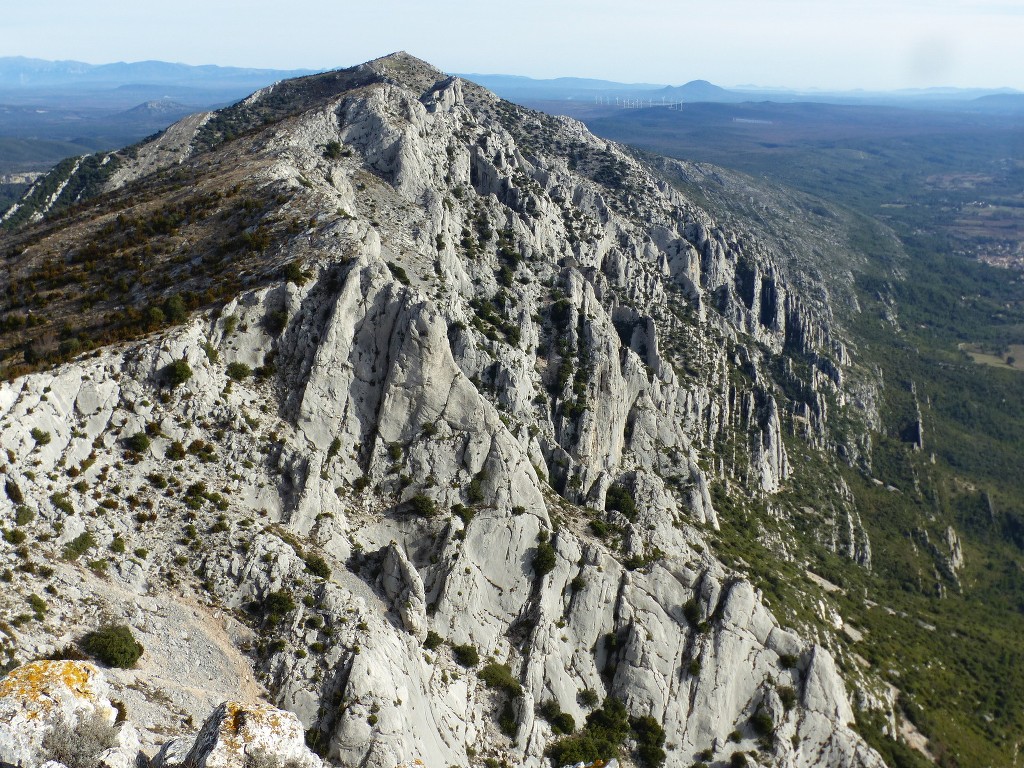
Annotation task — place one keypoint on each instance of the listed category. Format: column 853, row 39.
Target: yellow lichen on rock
column 38, row 683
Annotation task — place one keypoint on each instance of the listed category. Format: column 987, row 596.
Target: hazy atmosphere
column 792, row 43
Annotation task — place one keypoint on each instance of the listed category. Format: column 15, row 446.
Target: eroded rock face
column 489, row 342
column 238, row 734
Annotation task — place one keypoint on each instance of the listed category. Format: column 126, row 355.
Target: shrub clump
column 139, row 442
column 433, row 641
column 620, row 500
column 561, row 722
column 423, row 505
column 79, row 546
column 466, row 655
column 13, row 491
column 42, row 437
column 544, row 556
column 317, row 566
column 114, row 645
column 600, row 739
column 78, row 745
column 238, row 371
column 499, row 676
column 176, row 373
column 650, row 738
column 277, row 604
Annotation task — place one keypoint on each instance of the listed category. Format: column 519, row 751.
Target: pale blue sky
column 795, row 43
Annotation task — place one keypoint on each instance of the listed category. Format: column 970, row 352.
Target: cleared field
column 1013, row 358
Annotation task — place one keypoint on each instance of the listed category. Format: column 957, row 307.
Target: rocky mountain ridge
column 454, row 462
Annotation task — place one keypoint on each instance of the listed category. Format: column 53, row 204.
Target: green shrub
column 114, row 645
column 294, row 272
column 62, row 502
column 332, row 150
column 399, row 273
column 600, row 739
column 79, row 546
column 466, row 655
column 507, row 722
column 277, row 604
column 561, row 722
column 117, row 545
column 620, row 500
column 499, row 676
column 15, row 536
column 175, row 451
column 587, row 697
column 175, row 309
column 40, row 436
column 475, row 490
column 787, row 660
column 238, row 371
column 433, row 641
column 464, row 513
column 650, row 738
column 318, row 566
column 762, row 722
column 139, row 442
column 23, row 516
column 423, row 505
column 788, row 697
column 38, row 606
column 544, row 558
column 692, row 612
column 13, row 492
column 176, row 373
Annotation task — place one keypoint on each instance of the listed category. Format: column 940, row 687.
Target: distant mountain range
column 583, row 97
column 122, row 85
column 21, row 72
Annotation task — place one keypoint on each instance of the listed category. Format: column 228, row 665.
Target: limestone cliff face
column 491, row 412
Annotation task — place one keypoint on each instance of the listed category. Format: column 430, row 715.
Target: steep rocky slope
column 453, row 459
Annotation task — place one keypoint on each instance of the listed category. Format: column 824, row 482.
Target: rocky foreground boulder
column 58, row 713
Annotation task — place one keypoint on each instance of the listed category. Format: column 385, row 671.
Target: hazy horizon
column 793, row 44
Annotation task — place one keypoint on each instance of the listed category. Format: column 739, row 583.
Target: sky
column 825, row 44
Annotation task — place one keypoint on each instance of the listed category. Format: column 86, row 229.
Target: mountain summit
column 444, row 425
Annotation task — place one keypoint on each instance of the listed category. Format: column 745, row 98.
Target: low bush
column 238, row 371
column 423, row 505
column 466, row 655
column 788, row 697
column 139, row 442
column 544, row 558
column 114, row 645
column 13, row 492
column 176, row 373
column 499, row 676
column 79, row 546
column 41, row 437
column 318, row 566
column 277, row 604
column 620, row 500
column 433, row 641
column 78, row 745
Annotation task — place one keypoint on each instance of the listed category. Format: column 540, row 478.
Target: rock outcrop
column 491, row 413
